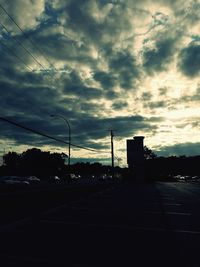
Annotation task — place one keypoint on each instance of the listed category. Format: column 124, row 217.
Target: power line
column 48, row 136
column 12, row 19
column 11, row 51
column 20, row 43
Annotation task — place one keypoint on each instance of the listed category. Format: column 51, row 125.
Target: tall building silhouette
column 135, row 156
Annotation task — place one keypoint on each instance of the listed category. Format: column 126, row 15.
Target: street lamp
column 69, row 134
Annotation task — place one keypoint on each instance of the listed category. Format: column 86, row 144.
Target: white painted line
column 168, row 198
column 25, row 258
column 29, row 219
column 152, row 203
column 187, row 232
column 170, row 213
column 45, row 261
column 78, row 208
column 13, row 225
column 178, row 213
column 152, row 229
column 172, row 204
column 167, row 230
column 124, row 227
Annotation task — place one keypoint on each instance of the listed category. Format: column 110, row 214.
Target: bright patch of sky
column 128, row 65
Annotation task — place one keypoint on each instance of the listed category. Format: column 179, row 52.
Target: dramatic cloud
column 187, row 149
column 195, row 97
column 146, row 96
column 131, row 66
column 32, row 13
column 189, row 58
column 158, row 58
column 159, row 104
column 107, row 80
column 119, row 105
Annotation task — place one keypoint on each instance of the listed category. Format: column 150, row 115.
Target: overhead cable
column 11, row 51
column 48, row 136
column 20, row 43
column 34, row 45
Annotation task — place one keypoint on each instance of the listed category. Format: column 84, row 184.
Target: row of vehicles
column 187, row 178
column 18, row 180
column 27, row 180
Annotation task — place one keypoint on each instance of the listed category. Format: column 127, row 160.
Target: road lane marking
column 187, row 232
column 178, row 213
column 172, row 204
column 45, row 261
column 13, row 225
column 167, row 230
column 124, row 227
column 78, row 208
column 170, row 213
column 168, row 198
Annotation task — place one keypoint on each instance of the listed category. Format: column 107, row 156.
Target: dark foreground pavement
column 126, row 225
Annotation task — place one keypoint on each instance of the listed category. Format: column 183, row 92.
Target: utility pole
column 112, row 151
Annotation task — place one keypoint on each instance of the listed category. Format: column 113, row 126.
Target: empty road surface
column 128, row 224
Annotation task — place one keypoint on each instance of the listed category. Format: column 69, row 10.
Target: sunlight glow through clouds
column 133, row 65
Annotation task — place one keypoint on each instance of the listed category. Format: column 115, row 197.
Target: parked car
column 14, row 180
column 55, row 179
column 33, row 179
column 103, row 177
column 74, row 176
column 195, row 178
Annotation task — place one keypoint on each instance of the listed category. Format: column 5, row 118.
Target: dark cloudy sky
column 132, row 66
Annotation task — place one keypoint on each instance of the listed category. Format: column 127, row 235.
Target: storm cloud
column 188, row 149
column 158, row 58
column 189, row 60
column 128, row 65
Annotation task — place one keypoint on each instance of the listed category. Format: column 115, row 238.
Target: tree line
column 44, row 165
column 165, row 168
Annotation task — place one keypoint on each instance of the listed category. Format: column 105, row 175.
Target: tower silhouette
column 135, row 156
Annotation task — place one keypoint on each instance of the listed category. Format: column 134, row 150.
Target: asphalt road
column 125, row 225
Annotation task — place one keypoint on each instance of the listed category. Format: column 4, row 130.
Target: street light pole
column 112, row 151
column 69, row 135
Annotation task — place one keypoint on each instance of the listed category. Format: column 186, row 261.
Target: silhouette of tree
column 42, row 163
column 34, row 162
column 148, row 153
column 11, row 160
